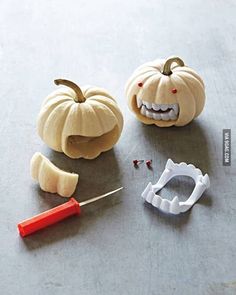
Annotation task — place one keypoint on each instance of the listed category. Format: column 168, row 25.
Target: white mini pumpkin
column 79, row 122
column 165, row 93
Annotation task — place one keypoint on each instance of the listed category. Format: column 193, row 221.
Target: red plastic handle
column 49, row 217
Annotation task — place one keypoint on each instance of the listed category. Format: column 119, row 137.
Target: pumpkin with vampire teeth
column 165, row 93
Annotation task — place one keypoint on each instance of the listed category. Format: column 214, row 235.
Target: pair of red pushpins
column 137, row 162
column 52, row 216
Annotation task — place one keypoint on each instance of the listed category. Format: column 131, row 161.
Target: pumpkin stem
column 167, row 66
column 79, row 94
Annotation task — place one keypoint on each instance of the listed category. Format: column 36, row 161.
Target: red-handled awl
column 49, row 217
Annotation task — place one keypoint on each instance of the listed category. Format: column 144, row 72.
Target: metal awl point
column 99, row 197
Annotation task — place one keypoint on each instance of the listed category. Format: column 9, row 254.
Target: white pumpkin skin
column 80, row 129
column 157, row 89
column 52, row 179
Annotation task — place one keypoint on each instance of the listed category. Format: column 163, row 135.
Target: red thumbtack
column 174, row 90
column 149, row 163
column 140, row 84
column 40, row 221
column 136, row 162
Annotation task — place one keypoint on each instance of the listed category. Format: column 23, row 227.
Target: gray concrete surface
column 119, row 245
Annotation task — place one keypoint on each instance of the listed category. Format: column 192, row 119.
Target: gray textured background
column 118, row 245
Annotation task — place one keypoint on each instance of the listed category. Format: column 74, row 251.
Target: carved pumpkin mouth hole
column 165, row 112
column 77, row 139
column 78, row 144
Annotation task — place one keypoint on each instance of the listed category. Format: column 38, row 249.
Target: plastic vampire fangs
column 171, row 170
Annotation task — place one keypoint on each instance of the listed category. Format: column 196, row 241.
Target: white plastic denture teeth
column 143, row 111
column 149, row 114
column 172, row 115
column 175, row 107
column 139, row 102
column 155, row 106
column 52, row 179
column 147, row 104
column 154, row 111
column 164, row 107
column 171, row 170
column 165, row 117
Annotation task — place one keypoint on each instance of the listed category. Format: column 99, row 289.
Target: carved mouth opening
column 88, row 146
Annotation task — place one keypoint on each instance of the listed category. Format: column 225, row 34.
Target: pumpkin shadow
column 95, row 177
column 188, row 144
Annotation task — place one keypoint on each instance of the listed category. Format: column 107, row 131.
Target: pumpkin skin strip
column 200, row 99
column 92, row 91
column 112, row 106
column 52, row 179
column 45, row 112
column 53, row 125
column 189, row 71
column 136, row 88
column 187, row 107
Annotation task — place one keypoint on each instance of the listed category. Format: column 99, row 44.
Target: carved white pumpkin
column 165, row 93
column 79, row 122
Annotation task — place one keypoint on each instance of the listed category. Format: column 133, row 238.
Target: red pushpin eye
column 136, row 162
column 149, row 163
column 140, row 84
column 174, row 90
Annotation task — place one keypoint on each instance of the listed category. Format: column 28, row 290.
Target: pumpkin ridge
column 166, row 86
column 154, row 79
column 86, row 90
column 113, row 107
column 104, row 101
column 130, row 86
column 191, row 76
column 162, row 83
column 137, row 75
column 38, row 165
column 50, row 122
column 180, row 102
column 54, row 101
column 158, row 83
column 198, row 108
column 44, row 114
column 101, row 122
column 63, row 137
column 56, row 94
column 98, row 91
column 40, row 173
column 142, row 69
column 157, row 65
column 192, row 73
column 145, row 70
